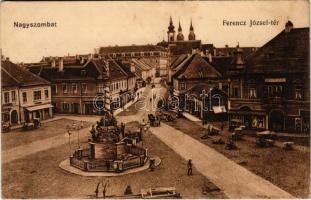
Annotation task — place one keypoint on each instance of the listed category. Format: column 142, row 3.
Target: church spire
column 191, row 27
column 180, row 36
column 179, row 27
column 170, row 31
column 191, row 35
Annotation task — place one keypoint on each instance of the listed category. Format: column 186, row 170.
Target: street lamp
column 69, row 133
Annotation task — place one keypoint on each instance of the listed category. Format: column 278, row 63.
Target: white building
column 24, row 95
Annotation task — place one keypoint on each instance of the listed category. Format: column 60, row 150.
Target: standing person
column 122, row 129
column 222, row 126
column 104, row 189
column 189, row 165
column 96, row 191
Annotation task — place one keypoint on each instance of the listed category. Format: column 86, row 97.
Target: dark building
column 200, row 88
column 269, row 89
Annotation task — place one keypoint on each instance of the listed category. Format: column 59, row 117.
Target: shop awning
column 219, row 109
column 33, row 108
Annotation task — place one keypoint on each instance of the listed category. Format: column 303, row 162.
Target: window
column 24, row 97
column 54, row 89
column 298, row 93
column 100, row 88
column 123, row 54
column 37, row 95
column 74, row 88
column 13, row 93
column 114, row 55
column 84, row 88
column 65, row 107
column 275, row 90
column 46, row 94
column 182, row 86
column 252, row 93
column 6, row 97
column 132, row 54
column 235, row 92
column 65, row 88
column 83, row 72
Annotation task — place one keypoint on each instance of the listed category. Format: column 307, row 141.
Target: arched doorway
column 14, row 117
column 276, row 120
column 247, row 117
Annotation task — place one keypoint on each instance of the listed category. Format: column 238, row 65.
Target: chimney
column 210, row 57
column 90, row 56
column 227, row 50
column 107, row 67
column 132, row 65
column 61, row 64
column 288, row 26
column 215, row 52
column 53, row 64
column 81, row 59
column 7, row 59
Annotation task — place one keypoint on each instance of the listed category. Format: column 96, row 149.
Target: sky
column 84, row 26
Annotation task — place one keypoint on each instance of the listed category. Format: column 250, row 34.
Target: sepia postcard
column 155, row 100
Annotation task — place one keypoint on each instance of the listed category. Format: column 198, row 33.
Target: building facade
column 86, row 86
column 157, row 55
column 270, row 90
column 25, row 96
column 200, row 88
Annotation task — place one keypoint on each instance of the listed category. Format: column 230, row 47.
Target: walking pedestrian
column 104, row 190
column 222, row 127
column 189, row 173
column 96, row 191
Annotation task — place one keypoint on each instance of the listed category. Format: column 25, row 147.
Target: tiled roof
column 229, row 51
column 141, row 65
column 184, row 47
column 286, row 52
column 132, row 48
column 221, row 64
column 126, row 68
column 196, row 67
column 115, row 71
column 21, row 76
column 7, row 80
column 178, row 60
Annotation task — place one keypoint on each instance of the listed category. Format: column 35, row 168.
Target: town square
column 183, row 117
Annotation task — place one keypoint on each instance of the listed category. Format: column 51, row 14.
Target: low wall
column 139, row 159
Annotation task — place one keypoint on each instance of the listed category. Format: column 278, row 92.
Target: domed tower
column 238, row 59
column 191, row 32
column 171, row 31
column 289, row 26
column 180, row 36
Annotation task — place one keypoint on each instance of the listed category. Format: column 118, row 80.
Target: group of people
column 104, row 186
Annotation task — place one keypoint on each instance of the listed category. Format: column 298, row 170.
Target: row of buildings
column 264, row 89
column 261, row 88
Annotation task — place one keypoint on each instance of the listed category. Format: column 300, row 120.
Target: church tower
column 191, row 32
column 180, row 36
column 171, row 31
